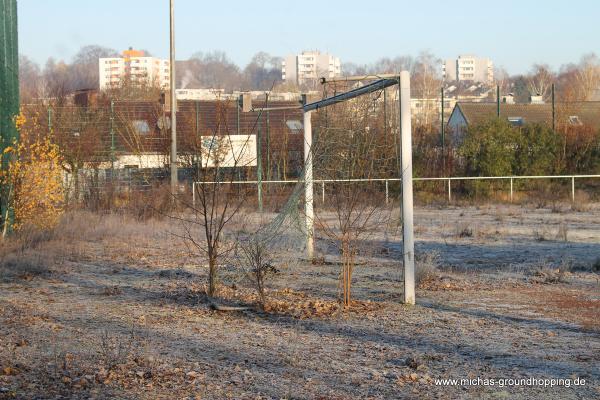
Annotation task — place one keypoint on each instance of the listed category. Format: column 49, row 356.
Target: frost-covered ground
column 113, row 308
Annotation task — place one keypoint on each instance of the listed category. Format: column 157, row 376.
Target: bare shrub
column 464, row 231
column 563, row 232
column 582, row 202
column 427, row 267
column 30, row 237
column 540, row 236
column 352, row 145
column 90, row 226
column 556, row 207
column 154, row 203
column 22, row 254
column 111, row 290
column 217, row 199
column 115, row 349
column 596, row 265
column 545, row 273
column 257, row 263
column 23, row 266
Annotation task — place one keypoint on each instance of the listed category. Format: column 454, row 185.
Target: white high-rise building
column 309, row 66
column 468, row 68
column 137, row 67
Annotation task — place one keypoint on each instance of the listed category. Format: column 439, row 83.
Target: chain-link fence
column 124, row 146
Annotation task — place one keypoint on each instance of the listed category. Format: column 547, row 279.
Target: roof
column 587, row 112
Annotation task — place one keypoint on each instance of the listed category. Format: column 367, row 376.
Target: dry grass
column 544, row 273
column 426, row 268
column 23, row 266
column 129, row 319
column 463, row 230
column 563, row 232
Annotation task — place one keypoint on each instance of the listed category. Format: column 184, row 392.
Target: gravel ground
column 113, row 308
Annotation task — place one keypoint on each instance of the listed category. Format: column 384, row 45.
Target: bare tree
column 215, row 70
column 85, row 68
column 78, row 133
column 57, row 82
column 218, row 201
column 351, row 146
column 426, row 84
column 503, row 79
column 30, row 79
column 257, row 262
column 588, row 76
column 263, row 71
column 539, row 81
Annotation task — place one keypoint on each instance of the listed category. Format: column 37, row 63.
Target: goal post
column 308, row 186
column 407, row 189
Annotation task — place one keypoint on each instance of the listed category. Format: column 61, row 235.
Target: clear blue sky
column 514, row 34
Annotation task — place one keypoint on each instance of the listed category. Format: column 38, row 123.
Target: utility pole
column 174, row 182
column 443, row 135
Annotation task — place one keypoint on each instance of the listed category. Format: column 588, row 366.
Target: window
column 141, row 126
column 574, row 120
column 516, row 121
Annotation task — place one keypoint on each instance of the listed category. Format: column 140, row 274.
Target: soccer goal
column 378, row 83
column 353, row 141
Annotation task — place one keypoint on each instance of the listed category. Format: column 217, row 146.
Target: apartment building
column 468, row 68
column 309, row 66
column 135, row 66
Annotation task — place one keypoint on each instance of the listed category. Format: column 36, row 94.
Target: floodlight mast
column 403, row 80
column 174, row 178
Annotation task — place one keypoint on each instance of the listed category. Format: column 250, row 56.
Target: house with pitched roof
column 563, row 115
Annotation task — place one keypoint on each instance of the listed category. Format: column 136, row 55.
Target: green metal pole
column 268, row 138
column 553, row 110
column 9, row 100
column 49, row 120
column 112, row 136
column 199, row 157
column 259, row 166
column 498, row 101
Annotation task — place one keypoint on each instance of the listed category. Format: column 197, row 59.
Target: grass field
column 109, row 307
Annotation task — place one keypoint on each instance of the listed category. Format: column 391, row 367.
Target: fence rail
column 388, row 180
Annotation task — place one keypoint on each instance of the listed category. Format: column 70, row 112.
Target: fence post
column 449, row 191
column 49, row 120
column 323, row 191
column 112, row 137
column 511, row 190
column 194, row 194
column 259, row 165
column 573, row 189
column 387, row 193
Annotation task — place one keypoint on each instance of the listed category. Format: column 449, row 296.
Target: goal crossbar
column 366, row 89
